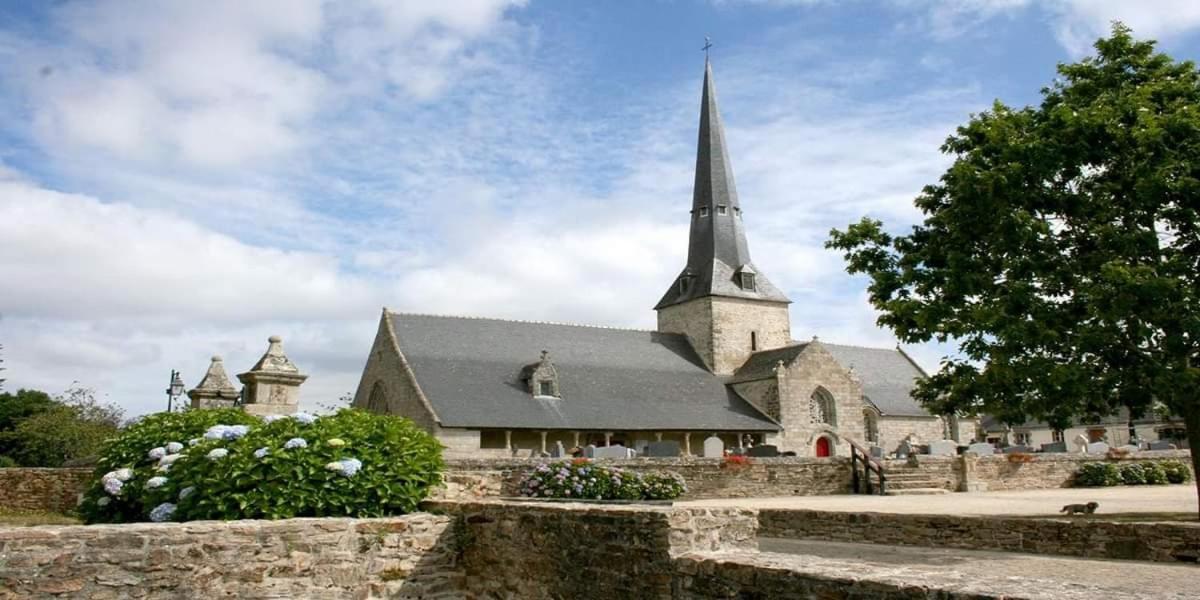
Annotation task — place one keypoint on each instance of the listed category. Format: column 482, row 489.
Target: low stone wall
column 1087, row 537
column 1050, row 470
column 52, row 490
column 470, row 479
column 410, row 556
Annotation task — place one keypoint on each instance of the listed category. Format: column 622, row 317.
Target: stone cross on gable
column 707, row 45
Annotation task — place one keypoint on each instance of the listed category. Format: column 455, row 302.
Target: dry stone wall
column 403, row 557
column 52, row 490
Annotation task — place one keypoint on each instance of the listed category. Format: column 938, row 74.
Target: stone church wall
column 812, row 369
column 893, row 430
column 386, row 365
column 719, row 328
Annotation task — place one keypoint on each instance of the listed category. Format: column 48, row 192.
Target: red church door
column 822, row 447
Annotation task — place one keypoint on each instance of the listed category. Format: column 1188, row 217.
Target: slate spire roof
column 717, row 248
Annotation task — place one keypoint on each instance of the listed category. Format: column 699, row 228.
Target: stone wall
column 410, row 556
column 1048, row 470
column 1091, row 537
column 719, row 328
column 52, row 490
column 387, row 367
column 705, row 477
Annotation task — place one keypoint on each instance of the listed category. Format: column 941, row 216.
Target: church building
column 722, row 362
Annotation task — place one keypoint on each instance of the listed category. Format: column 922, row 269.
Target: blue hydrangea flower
column 295, row 443
column 155, row 482
column 272, row 418
column 157, row 453
column 261, row 452
column 170, row 458
column 162, row 512
column 346, row 467
column 113, row 486
column 187, row 491
column 305, row 418
column 174, row 448
column 234, row 432
column 194, row 441
column 217, row 453
column 216, row 432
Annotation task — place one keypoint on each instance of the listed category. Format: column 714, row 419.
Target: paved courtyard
column 1127, row 499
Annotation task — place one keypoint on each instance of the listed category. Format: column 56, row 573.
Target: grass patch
column 28, row 518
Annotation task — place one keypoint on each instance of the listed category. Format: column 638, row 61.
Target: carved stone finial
column 816, row 339
column 214, row 390
column 273, row 383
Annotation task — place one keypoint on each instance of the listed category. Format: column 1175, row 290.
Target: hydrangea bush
column 1133, row 473
column 352, row 463
column 583, row 479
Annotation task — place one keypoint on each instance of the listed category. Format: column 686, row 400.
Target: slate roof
column 609, row 379
column 887, row 375
column 762, row 364
column 717, row 246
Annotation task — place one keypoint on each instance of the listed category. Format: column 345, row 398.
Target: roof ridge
column 479, row 318
column 895, row 349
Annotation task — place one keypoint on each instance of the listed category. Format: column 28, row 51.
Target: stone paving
column 988, row 574
column 1161, row 498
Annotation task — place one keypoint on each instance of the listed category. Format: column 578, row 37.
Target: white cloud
column 1081, row 22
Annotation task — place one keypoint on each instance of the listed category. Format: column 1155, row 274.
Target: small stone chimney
column 273, row 383
column 214, row 390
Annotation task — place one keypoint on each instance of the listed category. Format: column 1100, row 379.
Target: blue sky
column 190, row 178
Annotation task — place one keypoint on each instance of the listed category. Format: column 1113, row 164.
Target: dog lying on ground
column 1074, row 509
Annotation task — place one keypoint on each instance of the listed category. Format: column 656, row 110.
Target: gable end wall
column 387, row 364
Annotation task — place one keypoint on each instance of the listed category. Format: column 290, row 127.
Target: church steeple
column 718, row 256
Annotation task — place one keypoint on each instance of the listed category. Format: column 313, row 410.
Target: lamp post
column 175, row 390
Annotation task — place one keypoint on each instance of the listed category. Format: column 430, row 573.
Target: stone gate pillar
column 273, row 383
column 214, row 390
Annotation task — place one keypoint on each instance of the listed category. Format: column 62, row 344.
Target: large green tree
column 39, row 431
column 1061, row 249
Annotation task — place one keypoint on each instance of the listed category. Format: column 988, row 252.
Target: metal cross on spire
column 707, row 45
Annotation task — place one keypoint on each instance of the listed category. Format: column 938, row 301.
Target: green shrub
column 1133, row 474
column 129, row 454
column 1154, row 473
column 6, row 462
column 1176, row 471
column 352, row 463
column 583, row 479
column 1097, row 474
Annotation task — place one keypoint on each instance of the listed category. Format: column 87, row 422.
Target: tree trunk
column 1191, row 418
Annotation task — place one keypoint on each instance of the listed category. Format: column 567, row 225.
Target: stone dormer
column 541, row 378
column 215, row 389
column 273, row 383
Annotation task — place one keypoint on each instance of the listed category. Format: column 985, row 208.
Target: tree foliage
column 1061, row 250
column 39, row 431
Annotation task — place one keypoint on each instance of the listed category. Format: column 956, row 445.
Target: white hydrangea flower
column 103, row 501
column 234, row 432
column 170, row 458
column 268, row 419
column 157, row 453
column 163, row 468
column 113, row 486
column 216, row 432
column 296, row 443
column 261, row 452
column 155, row 482
column 187, row 491
column 217, row 453
column 174, row 448
column 305, row 418
column 346, row 467
column 162, row 512
column 194, row 441
column 124, row 474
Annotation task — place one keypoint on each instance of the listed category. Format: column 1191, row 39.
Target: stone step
column 927, row 491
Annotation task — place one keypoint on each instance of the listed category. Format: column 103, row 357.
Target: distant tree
column 69, row 427
column 1061, row 250
column 2, row 380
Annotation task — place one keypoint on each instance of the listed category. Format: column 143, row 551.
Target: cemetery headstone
column 904, row 449
column 982, row 449
column 1016, row 449
column 667, row 449
column 943, row 448
column 763, row 451
column 1162, row 445
column 558, row 451
column 1129, row 448
column 876, row 452
column 1054, row 447
column 714, row 447
column 589, row 451
column 1081, row 443
column 640, row 446
column 610, row 452
column 1097, row 448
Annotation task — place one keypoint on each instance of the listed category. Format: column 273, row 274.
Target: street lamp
column 175, row 390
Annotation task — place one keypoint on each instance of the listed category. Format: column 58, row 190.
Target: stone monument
column 214, row 390
column 273, row 383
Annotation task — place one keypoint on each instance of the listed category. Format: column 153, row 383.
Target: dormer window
column 737, row 212
column 748, row 282
column 683, row 285
column 720, row 209
column 541, row 378
column 703, row 211
column 745, row 277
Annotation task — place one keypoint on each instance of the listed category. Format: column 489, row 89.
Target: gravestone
column 589, row 451
column 1129, row 448
column 1016, row 449
column 982, row 449
column 1162, row 445
column 667, row 449
column 714, row 447
column 558, row 451
column 1097, row 448
column 943, row 448
column 904, row 449
column 611, row 452
column 640, row 446
column 763, row 451
column 631, row 453
column 876, row 452
column 1054, row 447
column 1081, row 443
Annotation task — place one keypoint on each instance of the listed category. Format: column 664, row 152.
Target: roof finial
column 707, row 45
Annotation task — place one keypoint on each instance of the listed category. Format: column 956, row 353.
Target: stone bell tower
column 273, row 383
column 721, row 301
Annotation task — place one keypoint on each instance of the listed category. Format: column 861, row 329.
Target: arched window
column 871, row 426
column 821, row 408
column 377, row 402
